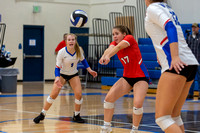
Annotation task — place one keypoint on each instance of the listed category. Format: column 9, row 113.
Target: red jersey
column 60, row 45
column 131, row 59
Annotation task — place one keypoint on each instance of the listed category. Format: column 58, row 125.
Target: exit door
column 33, row 53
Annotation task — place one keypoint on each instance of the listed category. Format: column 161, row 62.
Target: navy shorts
column 132, row 81
column 188, row 71
column 68, row 77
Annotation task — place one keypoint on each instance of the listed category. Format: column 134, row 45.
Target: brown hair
column 123, row 29
column 64, row 36
column 77, row 47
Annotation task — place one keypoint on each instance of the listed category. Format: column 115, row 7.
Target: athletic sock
column 134, row 128
column 44, row 112
column 76, row 113
column 107, row 123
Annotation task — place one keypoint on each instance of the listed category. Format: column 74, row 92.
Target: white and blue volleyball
column 78, row 18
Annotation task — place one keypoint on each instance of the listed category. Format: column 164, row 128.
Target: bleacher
column 149, row 59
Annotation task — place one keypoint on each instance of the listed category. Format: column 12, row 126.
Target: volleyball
column 78, row 18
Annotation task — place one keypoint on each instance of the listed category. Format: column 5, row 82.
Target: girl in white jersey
column 66, row 70
column 177, row 61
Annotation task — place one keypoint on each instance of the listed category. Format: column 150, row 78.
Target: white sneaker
column 134, row 131
column 106, row 129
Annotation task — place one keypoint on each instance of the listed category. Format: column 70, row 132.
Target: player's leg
column 169, row 89
column 140, row 90
column 50, row 99
column 119, row 89
column 176, row 114
column 76, row 86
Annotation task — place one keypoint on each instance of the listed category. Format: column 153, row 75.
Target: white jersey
column 157, row 15
column 67, row 62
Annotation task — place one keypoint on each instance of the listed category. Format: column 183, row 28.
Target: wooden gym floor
column 17, row 111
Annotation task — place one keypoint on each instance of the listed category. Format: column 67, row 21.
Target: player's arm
column 172, row 35
column 57, row 70
column 86, row 65
column 123, row 44
column 105, row 53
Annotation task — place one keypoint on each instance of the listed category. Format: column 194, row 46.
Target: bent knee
column 138, row 111
column 164, row 122
column 108, row 105
column 78, row 96
column 138, row 103
column 79, row 102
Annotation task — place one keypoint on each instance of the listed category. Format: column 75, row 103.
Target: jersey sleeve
column 59, row 59
column 130, row 40
column 157, row 15
column 113, row 43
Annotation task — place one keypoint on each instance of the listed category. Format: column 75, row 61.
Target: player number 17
column 125, row 59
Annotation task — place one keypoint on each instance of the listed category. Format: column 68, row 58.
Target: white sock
column 107, row 123
column 76, row 113
column 134, row 128
column 44, row 111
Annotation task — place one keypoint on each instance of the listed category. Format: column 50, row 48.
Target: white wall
column 54, row 16
column 186, row 10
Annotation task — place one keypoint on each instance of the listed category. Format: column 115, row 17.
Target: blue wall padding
column 147, row 41
column 154, row 74
column 149, row 56
column 118, row 64
column 196, row 86
column 151, row 64
column 119, row 72
column 147, row 49
column 109, row 81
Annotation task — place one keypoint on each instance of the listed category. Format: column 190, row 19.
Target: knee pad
column 50, row 100
column 79, row 101
column 108, row 105
column 138, row 111
column 178, row 120
column 165, row 121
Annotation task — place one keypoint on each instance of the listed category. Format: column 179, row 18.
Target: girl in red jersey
column 135, row 76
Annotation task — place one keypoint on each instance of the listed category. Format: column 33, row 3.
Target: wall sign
column 32, row 42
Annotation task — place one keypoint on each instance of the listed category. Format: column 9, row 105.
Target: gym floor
column 17, row 111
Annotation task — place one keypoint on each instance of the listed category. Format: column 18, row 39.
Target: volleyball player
column 178, row 64
column 66, row 70
column 135, row 76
